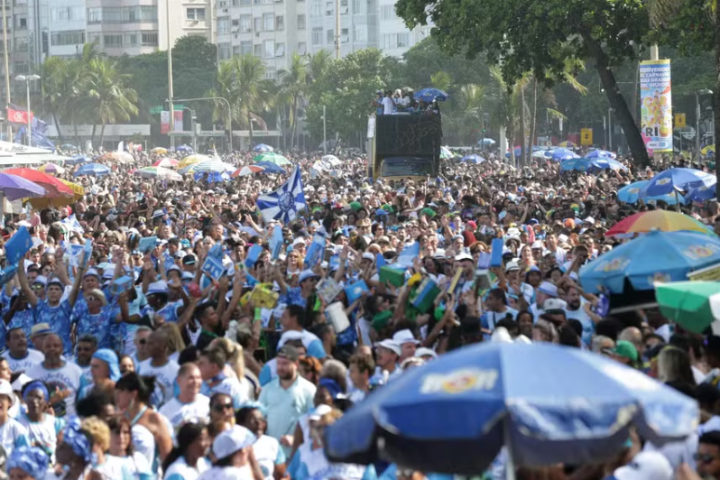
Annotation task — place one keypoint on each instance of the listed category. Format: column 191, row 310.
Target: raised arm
column 32, row 298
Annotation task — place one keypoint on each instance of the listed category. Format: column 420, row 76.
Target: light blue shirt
column 285, row 406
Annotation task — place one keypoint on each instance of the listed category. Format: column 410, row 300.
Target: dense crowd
column 131, row 360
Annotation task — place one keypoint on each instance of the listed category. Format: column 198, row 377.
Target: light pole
column 704, row 91
column 193, row 118
column 27, row 79
column 170, row 75
column 229, row 115
column 324, row 133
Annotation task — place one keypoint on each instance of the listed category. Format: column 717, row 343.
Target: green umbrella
column 694, row 305
column 272, row 157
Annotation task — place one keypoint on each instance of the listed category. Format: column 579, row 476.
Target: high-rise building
column 269, row 29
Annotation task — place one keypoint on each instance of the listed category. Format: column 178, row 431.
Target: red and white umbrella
column 247, row 170
column 166, row 162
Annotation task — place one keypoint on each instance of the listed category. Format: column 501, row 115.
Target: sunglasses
column 221, row 407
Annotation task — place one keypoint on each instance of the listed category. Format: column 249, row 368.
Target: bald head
column 634, row 336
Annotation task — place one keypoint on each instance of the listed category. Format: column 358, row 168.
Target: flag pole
column 7, row 69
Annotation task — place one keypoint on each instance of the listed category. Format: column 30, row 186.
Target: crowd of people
column 131, row 359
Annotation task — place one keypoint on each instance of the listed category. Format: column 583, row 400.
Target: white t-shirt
column 64, row 379
column 268, row 454
column 388, row 106
column 44, row 433
column 178, row 413
column 228, row 473
column 19, row 365
column 180, row 470
column 164, row 380
column 13, row 434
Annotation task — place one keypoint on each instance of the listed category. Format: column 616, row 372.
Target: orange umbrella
column 53, row 186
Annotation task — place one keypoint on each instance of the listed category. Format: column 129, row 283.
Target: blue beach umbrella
column 96, row 169
column 486, row 141
column 600, row 154
column 455, row 413
column 270, row 167
column 702, row 194
column 562, row 154
column 262, row 148
column 635, row 191
column 472, row 159
column 430, row 94
column 682, row 178
column 78, row 159
column 637, row 261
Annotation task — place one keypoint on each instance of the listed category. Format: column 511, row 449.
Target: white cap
column 463, row 256
column 6, row 389
column 537, row 244
column 298, row 241
column 548, row 289
column 404, row 336
column 320, row 412
column 512, row 266
column 390, row 345
column 646, row 466
column 368, row 256
column 554, row 304
column 589, row 220
column 425, row 352
column 232, row 441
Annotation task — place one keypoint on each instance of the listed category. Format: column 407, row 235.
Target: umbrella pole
column 510, row 463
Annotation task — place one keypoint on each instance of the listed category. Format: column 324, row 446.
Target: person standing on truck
column 379, row 102
column 388, row 104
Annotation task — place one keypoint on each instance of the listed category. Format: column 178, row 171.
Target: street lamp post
column 27, row 79
column 697, row 120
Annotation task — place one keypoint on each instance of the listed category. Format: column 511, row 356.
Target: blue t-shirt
column 489, row 319
column 97, row 325
column 59, row 319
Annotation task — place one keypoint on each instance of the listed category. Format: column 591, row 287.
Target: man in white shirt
column 190, row 405
column 19, row 356
column 388, row 104
column 161, row 367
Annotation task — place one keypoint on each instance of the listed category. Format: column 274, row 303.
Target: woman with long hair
column 187, row 460
column 235, row 363
column 148, row 428
column 121, row 447
column 176, row 344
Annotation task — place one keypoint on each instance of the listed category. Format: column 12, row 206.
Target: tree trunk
column 522, row 128
column 617, row 102
column 716, row 95
column 57, row 127
column 502, row 140
column 250, row 130
column 295, row 119
column 533, row 120
column 77, row 136
column 102, row 133
column 92, row 135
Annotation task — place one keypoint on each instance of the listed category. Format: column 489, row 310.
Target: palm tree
column 441, row 80
column 293, row 88
column 107, row 91
column 225, row 87
column 253, row 90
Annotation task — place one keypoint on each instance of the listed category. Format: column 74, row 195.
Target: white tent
column 17, row 154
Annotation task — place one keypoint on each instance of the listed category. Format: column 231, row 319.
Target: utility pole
column 610, row 129
column 7, row 68
column 170, row 75
column 324, row 132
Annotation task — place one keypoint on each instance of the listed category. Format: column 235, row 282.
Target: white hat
column 390, row 345
column 320, row 412
column 501, row 335
column 548, row 289
column 463, row 256
column 554, row 304
column 298, row 241
column 6, row 389
column 646, row 466
column 404, row 336
column 425, row 352
column 368, row 256
column 513, row 265
column 231, row 441
column 590, row 220
column 537, row 244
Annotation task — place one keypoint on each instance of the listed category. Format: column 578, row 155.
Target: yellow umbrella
column 51, row 169
column 193, row 159
column 40, row 203
column 160, row 150
column 708, row 149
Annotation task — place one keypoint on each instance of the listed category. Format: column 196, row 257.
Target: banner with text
column 178, row 127
column 164, row 122
column 656, row 110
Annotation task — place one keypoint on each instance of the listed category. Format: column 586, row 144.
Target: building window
column 196, row 14
column 330, row 37
column 317, row 36
column 258, row 24
column 360, row 33
column 245, row 23
column 257, row 50
column 150, row 39
column 403, row 40
column 329, row 8
column 224, row 51
column 245, row 3
column 68, row 37
column 345, row 35
column 268, row 48
column 302, row 48
column 112, row 41
column 246, row 47
column 301, row 22
column 235, row 3
column 396, row 40
column 359, row 7
column 279, row 49
column 268, row 22
column 21, row 46
column 21, row 68
column 270, row 73
column 344, row 7
column 131, row 14
column 20, row 22
column 94, row 15
column 387, row 12
column 112, row 15
column 315, row 8
column 279, row 23
column 131, row 39
column 223, row 26
column 148, row 13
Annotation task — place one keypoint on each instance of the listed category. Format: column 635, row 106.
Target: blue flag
column 315, row 251
column 276, row 242
column 284, row 203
